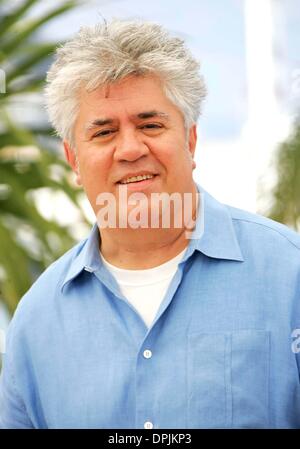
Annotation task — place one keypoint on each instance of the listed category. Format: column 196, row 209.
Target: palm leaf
column 20, row 34
column 35, row 55
column 284, row 197
column 10, row 19
column 22, row 171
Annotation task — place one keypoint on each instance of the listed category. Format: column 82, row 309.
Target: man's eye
column 152, row 126
column 104, row 133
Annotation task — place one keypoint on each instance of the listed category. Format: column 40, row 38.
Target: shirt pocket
column 228, row 379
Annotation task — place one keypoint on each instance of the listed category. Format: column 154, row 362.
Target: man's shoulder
column 59, row 268
column 39, row 298
column 261, row 227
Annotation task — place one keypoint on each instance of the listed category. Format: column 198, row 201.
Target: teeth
column 136, row 178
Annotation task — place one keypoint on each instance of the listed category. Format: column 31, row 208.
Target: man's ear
column 72, row 160
column 193, row 142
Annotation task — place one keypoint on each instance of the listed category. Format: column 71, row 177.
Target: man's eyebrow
column 98, row 122
column 108, row 121
column 151, row 114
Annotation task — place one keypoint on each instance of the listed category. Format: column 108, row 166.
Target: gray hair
column 108, row 52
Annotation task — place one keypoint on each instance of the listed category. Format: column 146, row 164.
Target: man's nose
column 130, row 147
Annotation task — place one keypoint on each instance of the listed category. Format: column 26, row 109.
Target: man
column 150, row 323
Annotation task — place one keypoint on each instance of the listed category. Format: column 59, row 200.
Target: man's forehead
column 127, row 100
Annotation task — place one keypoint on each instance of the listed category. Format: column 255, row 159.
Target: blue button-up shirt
column 224, row 348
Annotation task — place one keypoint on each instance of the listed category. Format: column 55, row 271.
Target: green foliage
column 28, row 159
column 285, row 196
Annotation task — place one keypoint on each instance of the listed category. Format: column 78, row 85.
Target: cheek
column 93, row 158
column 174, row 158
column 168, row 151
column 94, row 168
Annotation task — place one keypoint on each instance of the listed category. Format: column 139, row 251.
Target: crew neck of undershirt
column 143, row 277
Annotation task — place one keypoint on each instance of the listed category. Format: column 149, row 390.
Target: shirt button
column 147, row 354
column 148, row 425
column 89, row 269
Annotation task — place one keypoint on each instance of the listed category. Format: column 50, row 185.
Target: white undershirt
column 145, row 289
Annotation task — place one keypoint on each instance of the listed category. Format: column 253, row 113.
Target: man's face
column 131, row 128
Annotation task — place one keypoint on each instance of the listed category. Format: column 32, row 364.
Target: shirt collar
column 87, row 258
column 214, row 235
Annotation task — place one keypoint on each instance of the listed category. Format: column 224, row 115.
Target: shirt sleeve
column 13, row 413
column 296, row 327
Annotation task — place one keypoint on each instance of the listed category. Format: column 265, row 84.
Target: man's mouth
column 138, row 178
column 136, row 183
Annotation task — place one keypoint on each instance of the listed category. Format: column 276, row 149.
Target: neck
column 144, row 248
